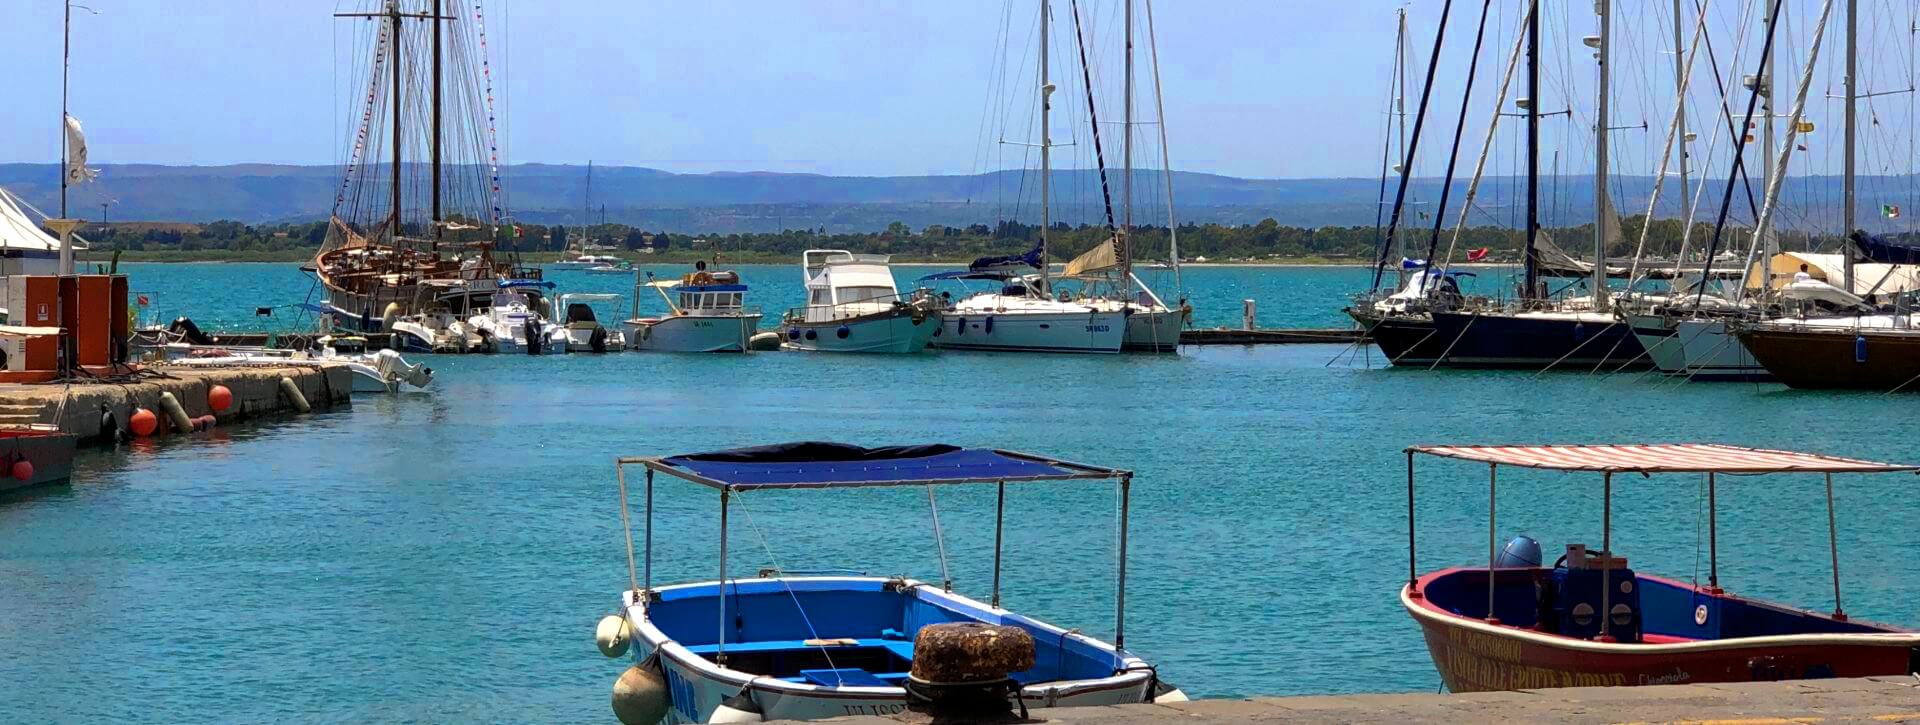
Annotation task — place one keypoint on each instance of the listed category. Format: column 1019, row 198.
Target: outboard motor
column 1520, row 553
column 184, row 327
column 533, row 338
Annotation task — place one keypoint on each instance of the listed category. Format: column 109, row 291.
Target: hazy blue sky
column 1267, row 88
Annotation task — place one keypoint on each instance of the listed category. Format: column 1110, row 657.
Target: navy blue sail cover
column 815, row 464
column 1884, row 250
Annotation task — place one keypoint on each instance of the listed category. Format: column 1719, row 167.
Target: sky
column 1255, row 88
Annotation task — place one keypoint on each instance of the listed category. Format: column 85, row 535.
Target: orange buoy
column 219, row 398
column 22, row 470
column 143, row 422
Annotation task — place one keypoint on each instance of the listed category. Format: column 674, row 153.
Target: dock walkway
column 256, row 391
column 1863, row 700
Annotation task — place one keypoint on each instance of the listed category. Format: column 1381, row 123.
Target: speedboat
column 440, row 325
column 510, row 323
column 781, row 646
column 709, row 316
column 1590, row 619
column 1020, row 315
column 586, row 261
column 582, row 331
column 853, row 306
column 616, row 267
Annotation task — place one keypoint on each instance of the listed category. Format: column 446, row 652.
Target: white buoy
column 176, row 414
column 612, row 635
column 292, row 391
column 739, row 708
column 640, row 696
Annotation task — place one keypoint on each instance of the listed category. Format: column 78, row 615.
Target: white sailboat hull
column 1714, row 355
column 1155, row 330
column 1660, row 337
column 1062, row 332
column 692, row 333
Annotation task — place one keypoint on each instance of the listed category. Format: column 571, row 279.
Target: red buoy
column 219, row 398
column 22, row 470
column 143, row 422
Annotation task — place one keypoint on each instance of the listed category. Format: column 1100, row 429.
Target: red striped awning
column 1659, row 458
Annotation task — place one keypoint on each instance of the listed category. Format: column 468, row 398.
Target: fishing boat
column 513, row 320
column 581, row 328
column 781, row 646
column 1590, row 619
column 853, row 305
column 711, row 314
column 34, row 454
column 384, row 240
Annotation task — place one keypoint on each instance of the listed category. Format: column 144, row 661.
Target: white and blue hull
column 1061, row 332
column 888, row 332
column 693, row 333
column 697, row 686
column 1700, row 349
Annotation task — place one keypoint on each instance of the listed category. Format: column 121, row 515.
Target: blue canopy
column 814, row 464
column 965, row 274
column 513, row 283
column 1884, row 250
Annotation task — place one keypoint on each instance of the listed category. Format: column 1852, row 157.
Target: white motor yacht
column 582, row 331
column 512, row 323
column 854, row 306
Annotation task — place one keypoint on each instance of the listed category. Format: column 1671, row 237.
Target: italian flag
column 1892, row 211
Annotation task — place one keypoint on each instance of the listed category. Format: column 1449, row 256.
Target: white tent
column 19, row 232
column 1868, row 278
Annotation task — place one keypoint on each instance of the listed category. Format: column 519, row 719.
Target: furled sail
column 1102, row 257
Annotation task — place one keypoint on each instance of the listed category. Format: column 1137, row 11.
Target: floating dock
column 256, row 392
column 1862, row 700
column 1233, row 336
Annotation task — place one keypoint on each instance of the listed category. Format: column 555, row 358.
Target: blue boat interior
column 844, row 632
column 1565, row 601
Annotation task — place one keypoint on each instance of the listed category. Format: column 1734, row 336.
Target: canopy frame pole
column 720, row 645
column 999, row 520
column 1606, row 551
column 1713, row 535
column 1120, row 598
column 1833, row 547
column 1493, row 483
column 940, row 541
column 1413, row 565
column 649, row 560
column 626, row 525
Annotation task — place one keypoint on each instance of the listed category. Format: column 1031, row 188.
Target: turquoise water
column 444, row 556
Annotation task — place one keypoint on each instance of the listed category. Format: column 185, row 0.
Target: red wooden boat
column 46, row 452
column 1529, row 626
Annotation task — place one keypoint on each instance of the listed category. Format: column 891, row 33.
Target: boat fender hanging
column 989, row 324
column 842, row 332
column 292, row 391
column 176, row 413
column 960, row 326
column 388, row 316
column 936, row 331
column 219, row 398
column 739, row 708
column 143, row 422
column 22, row 470
column 1859, row 348
column 640, row 696
column 812, row 335
column 204, row 423
column 109, row 426
column 613, row 634
column 1579, row 332
column 793, row 333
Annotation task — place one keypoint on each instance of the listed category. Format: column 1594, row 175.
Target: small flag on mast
column 77, row 171
column 1891, row 211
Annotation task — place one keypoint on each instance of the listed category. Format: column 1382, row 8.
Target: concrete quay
column 1861, row 700
column 256, row 392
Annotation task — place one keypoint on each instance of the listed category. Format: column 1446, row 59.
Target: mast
column 1681, row 63
column 436, row 123
column 586, row 215
column 1533, row 150
column 1399, row 241
column 1853, row 97
column 66, row 60
column 393, row 16
column 1602, row 206
column 1406, row 161
column 1765, row 83
column 1126, row 154
column 1046, row 153
column 1166, row 165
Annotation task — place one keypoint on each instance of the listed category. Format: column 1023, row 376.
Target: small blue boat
column 781, row 647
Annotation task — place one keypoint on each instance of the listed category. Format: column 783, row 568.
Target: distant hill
column 764, row 202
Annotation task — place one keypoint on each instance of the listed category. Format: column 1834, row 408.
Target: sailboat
column 383, row 244
column 1021, row 313
column 1579, row 333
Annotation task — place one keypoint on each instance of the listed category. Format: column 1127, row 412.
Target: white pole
column 1602, row 206
column 1046, row 153
column 1847, row 220
column 1126, row 154
column 1166, row 165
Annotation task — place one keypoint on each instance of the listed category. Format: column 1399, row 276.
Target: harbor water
column 443, row 556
